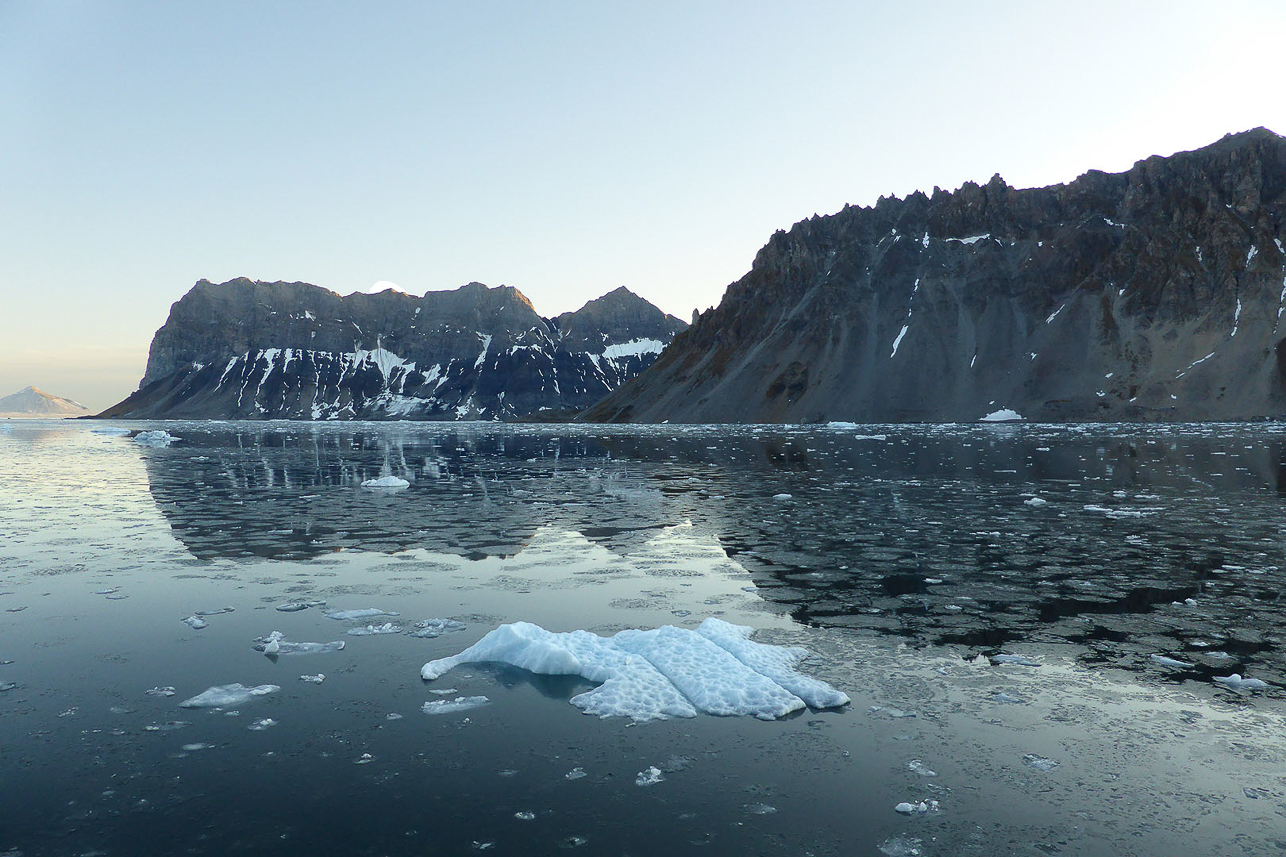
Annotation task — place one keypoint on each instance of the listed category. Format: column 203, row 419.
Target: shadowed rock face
column 252, row 350
column 1154, row 294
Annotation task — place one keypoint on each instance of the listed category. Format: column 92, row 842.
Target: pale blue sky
column 561, row 148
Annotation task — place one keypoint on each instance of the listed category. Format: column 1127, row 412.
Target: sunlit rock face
column 1153, row 294
column 252, row 350
column 34, row 402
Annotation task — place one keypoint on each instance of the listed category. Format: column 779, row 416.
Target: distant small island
column 33, row 403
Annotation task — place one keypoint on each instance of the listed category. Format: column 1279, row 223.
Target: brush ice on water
column 659, row 673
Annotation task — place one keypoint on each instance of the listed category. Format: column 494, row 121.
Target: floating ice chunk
column 111, row 591
column 430, row 628
column 161, row 691
column 192, row 748
column 1040, row 763
column 296, row 606
column 313, row 679
column 776, row 663
column 1007, row 698
column 1019, row 660
column 1168, row 662
column 575, row 774
column 168, row 726
column 217, row 612
column 907, row 808
column 394, row 482
column 760, row 809
column 1218, row 656
column 364, row 759
column 276, row 644
column 362, row 613
column 392, row 715
column 6, row 686
column 1035, row 502
column 196, row 623
column 374, row 630
column 451, row 706
column 155, row 438
column 781, row 497
column 261, row 725
column 227, row 695
column 1236, row 682
column 650, row 777
column 1004, row 415
column 901, row 846
column 525, row 815
column 918, row 767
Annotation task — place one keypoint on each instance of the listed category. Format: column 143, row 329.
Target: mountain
column 253, row 350
column 34, row 402
column 1153, row 294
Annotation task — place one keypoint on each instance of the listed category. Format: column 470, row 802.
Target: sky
column 563, row 148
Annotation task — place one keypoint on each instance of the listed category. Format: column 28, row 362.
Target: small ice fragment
column 116, row 596
column 273, row 646
column 1219, row 656
column 918, row 767
column 452, row 706
column 276, row 644
column 392, row 715
column 1040, row 763
column 111, row 591
column 192, row 748
column 217, row 612
column 364, row 759
column 575, row 774
column 1001, row 696
column 760, row 809
column 393, row 482
column 572, row 842
column 155, row 438
column 362, row 613
column 8, row 686
column 261, row 725
column 168, row 726
column 781, row 497
column 901, row 846
column 227, row 695
column 1004, row 415
column 650, row 777
column 314, row 679
column 1168, row 662
column 373, row 630
column 1035, row 502
column 196, row 623
column 430, row 628
column 525, row 815
column 1019, row 660
column 296, row 606
column 1236, row 682
column 161, row 691
column 923, row 806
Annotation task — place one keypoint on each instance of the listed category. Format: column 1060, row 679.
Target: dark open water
column 904, row 558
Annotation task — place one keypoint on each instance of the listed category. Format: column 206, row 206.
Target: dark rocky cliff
column 1157, row 293
column 252, row 350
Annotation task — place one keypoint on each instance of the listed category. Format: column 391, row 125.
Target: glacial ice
column 659, row 673
column 362, row 613
column 374, row 630
column 1004, row 415
column 650, row 777
column 452, row 706
column 386, row 482
column 276, row 644
column 227, row 695
column 430, row 628
column 1236, row 682
column 196, row 623
column 907, row 808
column 1035, row 501
column 157, row 438
column 296, row 606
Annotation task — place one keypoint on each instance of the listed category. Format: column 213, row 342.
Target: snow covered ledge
column 661, row 673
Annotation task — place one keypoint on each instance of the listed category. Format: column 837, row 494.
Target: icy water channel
column 1031, row 622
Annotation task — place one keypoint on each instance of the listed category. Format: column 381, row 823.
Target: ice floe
column 781, row 497
column 161, row 691
column 909, row 808
column 1039, row 763
column 1168, row 662
column 296, row 606
column 313, row 679
column 261, row 725
column 1035, row 501
column 227, row 695
column 375, row 630
column 393, row 482
column 155, row 438
column 452, row 706
column 196, row 623
column 659, row 673
column 363, row 613
column 276, row 644
column 1236, row 682
column 1004, row 415
column 430, row 628
column 650, row 777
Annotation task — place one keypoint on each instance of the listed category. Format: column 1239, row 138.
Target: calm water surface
column 1128, row 568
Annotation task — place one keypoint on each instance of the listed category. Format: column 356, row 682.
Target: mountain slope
column 252, row 350
column 1157, row 293
column 34, row 402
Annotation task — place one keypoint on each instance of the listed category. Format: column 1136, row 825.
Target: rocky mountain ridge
column 246, row 349
column 1153, row 294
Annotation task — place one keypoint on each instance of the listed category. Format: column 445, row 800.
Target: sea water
column 1061, row 668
